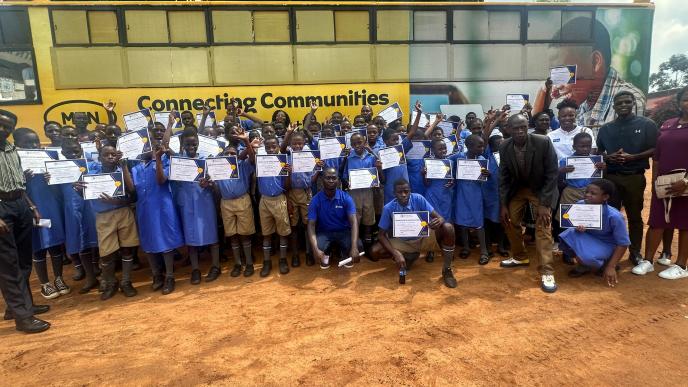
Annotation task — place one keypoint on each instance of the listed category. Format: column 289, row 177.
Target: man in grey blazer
column 528, row 175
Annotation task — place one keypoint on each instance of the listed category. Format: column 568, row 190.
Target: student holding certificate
column 598, row 249
column 391, row 175
column 468, row 198
column 196, row 205
column 405, row 250
column 415, row 166
column 115, row 226
column 48, row 201
column 361, row 158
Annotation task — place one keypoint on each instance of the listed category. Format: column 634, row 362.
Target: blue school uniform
column 415, row 173
column 354, row 161
column 395, row 173
column 160, row 229
column 80, row 221
column 196, row 207
column 415, row 203
column 235, row 188
column 468, row 199
column 48, row 200
column 491, row 206
column 595, row 247
column 99, row 206
column 271, row 186
column 441, row 198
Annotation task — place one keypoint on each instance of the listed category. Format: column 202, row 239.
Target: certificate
column 137, row 120
column 411, row 224
column 563, row 75
column 34, row 159
column 186, row 169
column 134, row 144
column 111, row 184
column 363, row 178
column 271, row 165
column 65, row 171
column 438, row 169
column 163, row 118
column 447, row 128
column 450, row 142
column 209, row 121
column 331, row 148
column 588, row 215
column 423, row 122
column 176, row 143
column 305, row 161
column 392, row 156
column 347, row 136
column 497, row 157
column 517, row 101
column 90, row 150
column 584, row 167
column 470, row 169
column 391, row 113
column 222, row 168
column 208, row 146
column 419, row 150
column 57, row 149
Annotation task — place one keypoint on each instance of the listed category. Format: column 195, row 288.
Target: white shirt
column 563, row 140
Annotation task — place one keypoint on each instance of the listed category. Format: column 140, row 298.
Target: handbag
column 665, row 181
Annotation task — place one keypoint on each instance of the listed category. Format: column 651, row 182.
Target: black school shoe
column 236, row 271
column 310, row 261
column 267, row 268
column 32, row 325
column 169, row 286
column 195, row 277
column 283, row 266
column 448, row 277
column 213, row 273
column 109, row 291
column 79, row 273
column 295, row 261
column 484, row 259
column 158, row 282
column 128, row 289
column 248, row 271
column 430, row 257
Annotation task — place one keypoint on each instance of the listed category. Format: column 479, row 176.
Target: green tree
column 672, row 74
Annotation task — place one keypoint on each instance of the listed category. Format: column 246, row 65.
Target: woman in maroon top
column 670, row 154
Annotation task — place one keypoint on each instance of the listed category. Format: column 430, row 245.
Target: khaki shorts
column 116, row 229
column 420, row 245
column 274, row 215
column 237, row 216
column 378, row 199
column 365, row 207
column 299, row 199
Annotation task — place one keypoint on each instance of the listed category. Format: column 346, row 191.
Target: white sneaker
column 643, row 267
column 548, row 285
column 664, row 259
column 325, row 263
column 674, row 272
column 48, row 291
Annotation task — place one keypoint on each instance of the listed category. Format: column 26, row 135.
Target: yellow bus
column 60, row 57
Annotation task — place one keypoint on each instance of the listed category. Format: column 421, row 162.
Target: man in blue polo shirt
column 332, row 218
column 405, row 251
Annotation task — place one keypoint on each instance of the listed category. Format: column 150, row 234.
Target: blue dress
column 491, row 204
column 197, row 211
column 468, row 199
column 159, row 227
column 595, row 247
column 80, row 221
column 441, row 198
column 415, row 173
column 48, row 200
column 395, row 173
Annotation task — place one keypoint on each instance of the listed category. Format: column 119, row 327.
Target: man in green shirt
column 16, row 216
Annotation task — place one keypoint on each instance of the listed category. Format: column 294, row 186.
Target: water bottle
column 402, row 275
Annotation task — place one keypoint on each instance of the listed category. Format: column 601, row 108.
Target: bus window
column 18, row 84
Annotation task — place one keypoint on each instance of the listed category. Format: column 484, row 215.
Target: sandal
column 484, row 259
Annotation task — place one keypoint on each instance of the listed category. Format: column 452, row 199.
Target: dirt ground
column 359, row 326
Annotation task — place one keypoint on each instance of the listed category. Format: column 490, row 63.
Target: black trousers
column 15, row 257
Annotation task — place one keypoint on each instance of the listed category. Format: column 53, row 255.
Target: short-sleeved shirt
column 234, row 188
column 11, row 173
column 331, row 214
column 98, row 205
column 416, row 203
column 563, row 140
column 632, row 134
column 354, row 161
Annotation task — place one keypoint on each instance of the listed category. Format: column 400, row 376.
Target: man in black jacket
column 528, row 176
